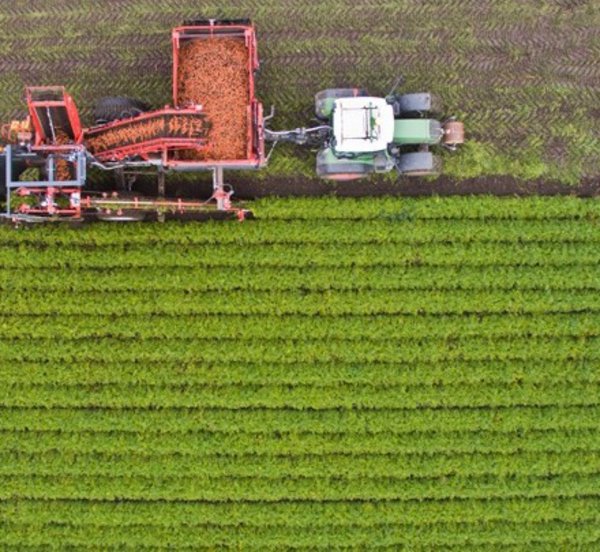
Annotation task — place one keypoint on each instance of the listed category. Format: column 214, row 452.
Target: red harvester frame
column 50, row 107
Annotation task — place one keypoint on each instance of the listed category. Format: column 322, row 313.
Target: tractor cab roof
column 362, row 124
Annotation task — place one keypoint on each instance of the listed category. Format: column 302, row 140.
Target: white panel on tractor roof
column 362, row 124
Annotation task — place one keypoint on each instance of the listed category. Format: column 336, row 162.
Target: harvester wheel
column 325, row 98
column 112, row 108
column 420, row 163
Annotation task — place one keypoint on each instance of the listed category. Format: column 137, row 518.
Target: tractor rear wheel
column 325, row 98
column 420, row 163
column 112, row 108
column 343, row 171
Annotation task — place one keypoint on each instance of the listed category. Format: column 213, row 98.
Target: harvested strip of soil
column 213, row 72
column 184, row 126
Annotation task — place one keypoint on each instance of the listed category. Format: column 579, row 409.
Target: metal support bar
column 217, row 178
column 220, row 195
column 120, row 178
column 8, row 175
column 161, row 182
column 51, row 123
column 50, row 168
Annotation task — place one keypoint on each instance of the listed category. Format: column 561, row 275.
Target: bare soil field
column 523, row 75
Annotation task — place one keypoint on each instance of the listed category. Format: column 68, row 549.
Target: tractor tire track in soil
column 412, row 187
column 246, row 189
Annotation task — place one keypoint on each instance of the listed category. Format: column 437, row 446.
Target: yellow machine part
column 17, row 131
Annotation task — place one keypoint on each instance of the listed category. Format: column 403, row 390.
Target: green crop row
column 341, row 303
column 256, row 421
column 445, row 441
column 304, row 255
column 261, row 488
column 313, row 397
column 423, row 514
column 244, row 327
column 309, row 278
column 321, row 466
column 482, row 207
column 346, row 220
column 501, row 533
column 171, row 373
column 301, row 350
column 266, row 232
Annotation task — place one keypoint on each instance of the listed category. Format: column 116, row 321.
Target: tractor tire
column 420, row 163
column 325, row 98
column 343, row 171
column 118, row 107
column 422, row 103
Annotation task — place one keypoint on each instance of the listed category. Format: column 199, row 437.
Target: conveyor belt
column 147, row 133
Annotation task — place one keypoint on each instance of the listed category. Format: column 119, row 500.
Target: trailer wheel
column 325, row 98
column 112, row 108
column 420, row 163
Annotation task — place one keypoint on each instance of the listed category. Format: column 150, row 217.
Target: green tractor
column 362, row 134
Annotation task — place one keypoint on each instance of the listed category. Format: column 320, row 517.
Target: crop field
column 339, row 373
column 522, row 74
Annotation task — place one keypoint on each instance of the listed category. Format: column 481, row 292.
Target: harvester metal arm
column 313, row 136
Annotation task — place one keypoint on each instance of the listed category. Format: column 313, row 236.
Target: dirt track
column 408, row 187
column 411, row 187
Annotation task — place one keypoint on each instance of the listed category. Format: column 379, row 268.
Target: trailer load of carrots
column 213, row 72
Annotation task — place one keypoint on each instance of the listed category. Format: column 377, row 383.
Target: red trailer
column 199, row 50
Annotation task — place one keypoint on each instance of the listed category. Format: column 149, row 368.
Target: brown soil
column 408, row 187
column 213, row 72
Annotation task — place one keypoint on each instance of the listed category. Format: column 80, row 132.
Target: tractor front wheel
column 113, row 108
